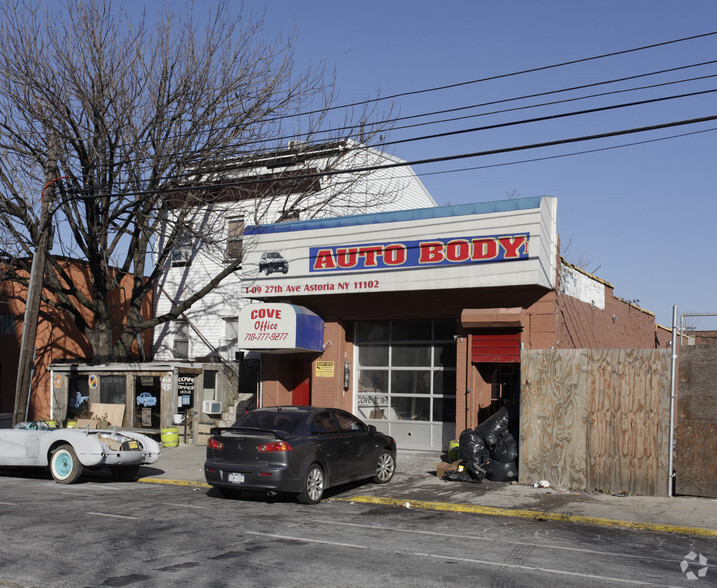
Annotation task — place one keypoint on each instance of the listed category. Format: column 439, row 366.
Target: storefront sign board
column 280, row 327
column 504, row 243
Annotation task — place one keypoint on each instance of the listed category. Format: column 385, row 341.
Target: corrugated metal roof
column 398, row 216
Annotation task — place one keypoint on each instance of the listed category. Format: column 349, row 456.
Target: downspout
column 673, row 366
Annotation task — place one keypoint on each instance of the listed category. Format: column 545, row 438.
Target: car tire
column 385, row 467
column 125, row 473
column 64, row 465
column 312, row 487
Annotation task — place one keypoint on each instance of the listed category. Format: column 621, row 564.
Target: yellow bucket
column 453, row 451
column 170, row 437
column 71, row 424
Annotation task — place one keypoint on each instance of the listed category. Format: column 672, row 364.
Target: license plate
column 236, row 478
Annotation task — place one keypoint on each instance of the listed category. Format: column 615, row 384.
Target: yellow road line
column 530, row 514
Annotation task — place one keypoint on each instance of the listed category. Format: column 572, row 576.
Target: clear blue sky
column 641, row 217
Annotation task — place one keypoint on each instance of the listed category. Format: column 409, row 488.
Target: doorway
column 301, row 390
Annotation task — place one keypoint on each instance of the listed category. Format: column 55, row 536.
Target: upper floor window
column 235, row 236
column 181, row 340
column 181, row 255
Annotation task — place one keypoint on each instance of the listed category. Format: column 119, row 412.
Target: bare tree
column 152, row 121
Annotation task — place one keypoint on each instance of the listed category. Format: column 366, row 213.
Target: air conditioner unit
column 181, row 257
column 211, row 407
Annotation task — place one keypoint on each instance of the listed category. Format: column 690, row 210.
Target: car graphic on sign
column 146, row 399
column 272, row 261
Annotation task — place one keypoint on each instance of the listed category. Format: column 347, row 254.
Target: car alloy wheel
column 385, row 467
column 312, row 488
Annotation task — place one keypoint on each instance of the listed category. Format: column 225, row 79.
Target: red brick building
column 58, row 339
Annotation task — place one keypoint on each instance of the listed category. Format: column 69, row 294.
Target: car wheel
column 385, row 468
column 64, row 465
column 125, row 473
column 312, row 488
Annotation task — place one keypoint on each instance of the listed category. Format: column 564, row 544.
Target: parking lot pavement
column 416, row 485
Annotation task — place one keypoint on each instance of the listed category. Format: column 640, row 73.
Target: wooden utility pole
column 34, row 294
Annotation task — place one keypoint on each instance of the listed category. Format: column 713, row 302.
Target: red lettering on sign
column 485, row 249
column 347, row 258
column 458, row 250
column 394, row 254
column 431, row 252
column 324, row 260
column 370, row 254
column 262, row 313
column 512, row 244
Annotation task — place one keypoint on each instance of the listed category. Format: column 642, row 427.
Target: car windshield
column 281, row 421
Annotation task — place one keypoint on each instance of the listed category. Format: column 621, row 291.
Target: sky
column 641, row 217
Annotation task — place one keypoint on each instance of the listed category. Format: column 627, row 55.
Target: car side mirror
column 371, row 429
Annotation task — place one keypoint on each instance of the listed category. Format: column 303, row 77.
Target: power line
column 516, row 73
column 572, row 154
column 418, row 162
column 548, row 117
column 481, row 80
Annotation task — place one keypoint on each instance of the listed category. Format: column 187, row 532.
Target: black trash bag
column 497, row 471
column 465, row 475
column 506, row 449
column 472, row 450
column 493, row 427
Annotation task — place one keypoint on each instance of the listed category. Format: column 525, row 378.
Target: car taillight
column 213, row 443
column 275, row 446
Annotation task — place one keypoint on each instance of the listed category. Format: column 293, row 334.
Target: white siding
column 377, row 191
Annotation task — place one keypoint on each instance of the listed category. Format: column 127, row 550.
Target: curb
column 174, row 482
column 531, row 514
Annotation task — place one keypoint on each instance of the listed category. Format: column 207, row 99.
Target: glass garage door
column 407, row 380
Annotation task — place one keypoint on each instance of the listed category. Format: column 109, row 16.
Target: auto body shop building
column 415, row 320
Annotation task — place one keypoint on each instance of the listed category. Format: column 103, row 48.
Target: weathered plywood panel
column 696, row 423
column 629, row 420
column 552, row 422
column 596, row 419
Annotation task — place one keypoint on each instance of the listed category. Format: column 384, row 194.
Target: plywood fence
column 596, row 419
column 696, row 427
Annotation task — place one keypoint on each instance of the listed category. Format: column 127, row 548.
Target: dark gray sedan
column 297, row 449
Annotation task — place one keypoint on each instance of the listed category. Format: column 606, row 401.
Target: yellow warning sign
column 324, row 369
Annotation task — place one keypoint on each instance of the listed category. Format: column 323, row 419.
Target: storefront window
column 407, row 370
column 78, row 396
column 113, row 390
column 147, row 402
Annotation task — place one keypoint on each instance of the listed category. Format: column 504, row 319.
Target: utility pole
column 34, row 291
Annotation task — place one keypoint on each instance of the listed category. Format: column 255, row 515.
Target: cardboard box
column 443, row 467
column 92, row 423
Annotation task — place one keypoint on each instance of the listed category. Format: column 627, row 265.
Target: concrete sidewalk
column 415, row 485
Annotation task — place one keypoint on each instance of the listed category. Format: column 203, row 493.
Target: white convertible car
column 67, row 451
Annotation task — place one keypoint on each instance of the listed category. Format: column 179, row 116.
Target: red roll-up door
column 496, row 346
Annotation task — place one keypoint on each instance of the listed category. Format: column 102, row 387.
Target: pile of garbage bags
column 487, row 452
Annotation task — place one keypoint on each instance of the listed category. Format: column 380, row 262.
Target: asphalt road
column 102, row 533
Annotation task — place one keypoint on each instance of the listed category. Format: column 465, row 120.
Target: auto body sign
column 415, row 254
column 507, row 243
